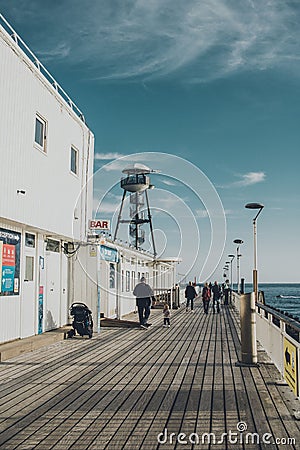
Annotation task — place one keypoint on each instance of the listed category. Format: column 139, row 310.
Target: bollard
column 242, row 285
column 248, row 329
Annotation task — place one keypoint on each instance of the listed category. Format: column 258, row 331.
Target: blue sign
column 8, row 276
column 108, row 253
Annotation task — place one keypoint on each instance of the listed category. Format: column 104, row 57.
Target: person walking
column 206, row 294
column 226, row 292
column 143, row 293
column 216, row 292
column 190, row 294
column 166, row 314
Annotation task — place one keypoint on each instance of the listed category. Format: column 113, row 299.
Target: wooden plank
column 124, row 387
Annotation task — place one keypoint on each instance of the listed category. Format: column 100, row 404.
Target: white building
column 46, row 160
column 121, row 268
column 46, row 165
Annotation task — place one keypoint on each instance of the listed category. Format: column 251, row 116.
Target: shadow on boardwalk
column 127, row 387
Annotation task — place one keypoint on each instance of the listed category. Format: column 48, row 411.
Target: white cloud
column 152, row 39
column 246, row 179
column 251, row 178
column 107, row 156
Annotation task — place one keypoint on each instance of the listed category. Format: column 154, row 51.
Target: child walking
column 167, row 314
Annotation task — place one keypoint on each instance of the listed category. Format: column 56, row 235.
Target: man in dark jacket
column 190, row 294
column 144, row 294
column 216, row 291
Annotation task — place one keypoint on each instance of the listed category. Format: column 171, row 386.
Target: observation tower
column 136, row 184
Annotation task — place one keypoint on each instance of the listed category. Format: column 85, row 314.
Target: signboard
column 108, row 253
column 290, row 365
column 98, row 224
column 41, row 309
column 93, row 251
column 10, row 243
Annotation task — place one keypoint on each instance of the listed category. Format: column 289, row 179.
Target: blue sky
column 214, row 82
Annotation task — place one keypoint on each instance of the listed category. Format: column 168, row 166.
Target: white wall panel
column 52, row 192
column 51, row 189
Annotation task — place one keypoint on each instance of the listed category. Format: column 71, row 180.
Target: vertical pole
column 98, row 289
column 255, row 283
column 231, row 285
column 136, row 218
column 238, row 268
column 119, row 216
column 150, row 223
column 118, row 288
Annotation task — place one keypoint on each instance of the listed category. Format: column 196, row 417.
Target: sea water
column 285, row 297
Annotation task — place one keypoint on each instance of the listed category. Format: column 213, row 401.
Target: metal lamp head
column 258, row 206
column 254, row 206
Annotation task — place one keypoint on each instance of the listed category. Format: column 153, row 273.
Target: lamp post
column 260, row 207
column 239, row 242
column 225, row 268
column 232, row 258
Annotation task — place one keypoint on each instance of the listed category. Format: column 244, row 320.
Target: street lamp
column 232, row 258
column 239, row 242
column 260, row 207
column 225, row 268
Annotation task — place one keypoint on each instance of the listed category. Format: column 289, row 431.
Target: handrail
column 291, row 322
column 40, row 67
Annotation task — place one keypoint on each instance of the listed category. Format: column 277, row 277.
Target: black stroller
column 82, row 322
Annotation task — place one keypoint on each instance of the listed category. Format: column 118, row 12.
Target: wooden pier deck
column 124, row 387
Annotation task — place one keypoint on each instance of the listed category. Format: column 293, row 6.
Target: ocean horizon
column 283, row 296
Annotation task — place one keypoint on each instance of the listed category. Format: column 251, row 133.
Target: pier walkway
column 125, row 388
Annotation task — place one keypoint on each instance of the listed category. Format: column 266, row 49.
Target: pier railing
column 173, row 296
column 279, row 335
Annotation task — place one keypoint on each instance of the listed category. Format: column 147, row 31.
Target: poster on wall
column 290, row 365
column 10, row 244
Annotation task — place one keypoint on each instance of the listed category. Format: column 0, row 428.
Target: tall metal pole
column 238, row 268
column 150, row 223
column 231, row 283
column 120, row 214
column 260, row 207
column 238, row 242
column 255, row 283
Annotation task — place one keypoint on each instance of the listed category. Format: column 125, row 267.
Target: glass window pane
column 112, row 276
column 73, row 160
column 30, row 240
column 29, row 268
column 53, row 246
column 127, row 281
column 39, row 132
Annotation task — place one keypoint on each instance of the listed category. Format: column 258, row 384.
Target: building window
column 132, row 279
column 29, row 265
column 127, row 281
column 112, row 276
column 40, row 133
column 74, row 161
column 30, row 240
column 53, row 246
column 122, row 281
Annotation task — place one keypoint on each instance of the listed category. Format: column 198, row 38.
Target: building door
column 29, row 291
column 53, row 285
column 64, row 290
